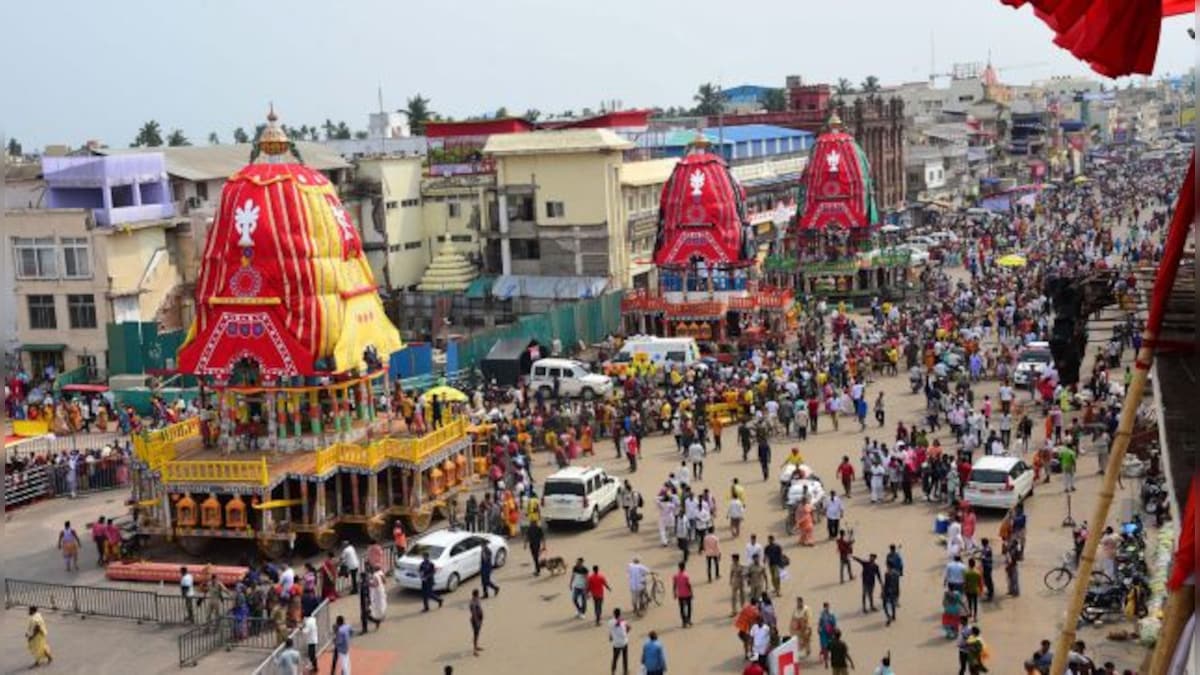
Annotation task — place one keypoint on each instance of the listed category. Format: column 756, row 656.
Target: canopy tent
column 446, row 393
column 509, row 359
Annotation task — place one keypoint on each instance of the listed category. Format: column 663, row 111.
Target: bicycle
column 653, row 591
column 1060, row 577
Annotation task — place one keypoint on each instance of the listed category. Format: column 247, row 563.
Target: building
column 106, row 248
column 746, row 98
column 641, row 188
column 564, row 189
column 385, row 199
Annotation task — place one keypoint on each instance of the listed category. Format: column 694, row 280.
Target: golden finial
column 835, row 122
column 273, row 141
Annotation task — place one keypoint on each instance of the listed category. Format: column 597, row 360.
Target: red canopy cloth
column 837, row 185
column 284, row 281
column 1115, row 37
column 702, row 214
column 1184, row 565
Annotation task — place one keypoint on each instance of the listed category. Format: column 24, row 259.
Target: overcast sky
column 96, row 70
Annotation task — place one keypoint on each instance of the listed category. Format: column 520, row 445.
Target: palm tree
column 501, row 112
column 708, row 100
column 342, row 131
column 532, row 114
column 329, row 127
column 844, row 86
column 870, row 85
column 148, row 136
column 213, row 138
column 417, row 109
column 774, row 100
column 14, row 148
column 360, row 135
column 240, row 136
column 176, row 138
column 312, row 134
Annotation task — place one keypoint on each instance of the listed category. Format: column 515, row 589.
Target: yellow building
column 387, row 205
column 641, row 187
column 560, row 204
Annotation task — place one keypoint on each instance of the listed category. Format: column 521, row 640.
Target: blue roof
column 736, row 134
column 746, row 93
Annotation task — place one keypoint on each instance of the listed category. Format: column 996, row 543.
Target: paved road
column 530, row 627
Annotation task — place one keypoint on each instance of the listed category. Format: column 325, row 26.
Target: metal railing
column 227, row 633
column 216, row 471
column 323, row 615
column 45, row 481
column 115, row 603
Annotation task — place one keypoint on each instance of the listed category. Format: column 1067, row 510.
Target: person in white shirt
column 350, row 564
column 637, row 573
column 760, row 640
column 287, row 579
column 736, row 511
column 311, row 639
column 187, row 588
column 618, row 637
column 753, row 548
column 833, row 514
column 696, row 456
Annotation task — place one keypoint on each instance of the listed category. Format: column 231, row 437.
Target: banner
column 785, row 659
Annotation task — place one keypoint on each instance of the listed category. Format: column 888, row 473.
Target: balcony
column 120, row 215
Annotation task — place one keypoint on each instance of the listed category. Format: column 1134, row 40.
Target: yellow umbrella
column 1081, row 179
column 446, row 393
column 1012, row 260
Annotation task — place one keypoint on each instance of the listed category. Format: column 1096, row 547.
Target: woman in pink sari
column 329, row 575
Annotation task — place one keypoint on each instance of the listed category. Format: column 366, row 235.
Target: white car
column 456, row 556
column 917, row 254
column 998, row 482
column 944, row 237
column 579, row 494
column 922, row 240
column 1034, row 359
column 573, row 378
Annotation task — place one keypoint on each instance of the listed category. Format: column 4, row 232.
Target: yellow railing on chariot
column 216, row 471
column 413, row 450
column 157, row 447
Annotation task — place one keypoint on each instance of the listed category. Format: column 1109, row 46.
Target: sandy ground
column 530, row 627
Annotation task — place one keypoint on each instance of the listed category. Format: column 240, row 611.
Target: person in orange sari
column 804, row 522
column 586, row 442
column 512, row 515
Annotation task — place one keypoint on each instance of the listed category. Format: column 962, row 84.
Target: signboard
column 785, row 659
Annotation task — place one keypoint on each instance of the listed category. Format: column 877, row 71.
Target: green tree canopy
column 176, row 138
column 870, row 85
column 844, row 86
column 774, row 100
column 708, row 100
column 240, row 136
column 14, row 148
column 418, row 111
column 148, row 136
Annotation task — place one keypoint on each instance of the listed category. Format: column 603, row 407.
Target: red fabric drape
column 1181, row 225
column 1185, row 553
column 1115, row 37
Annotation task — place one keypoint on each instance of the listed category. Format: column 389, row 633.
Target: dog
column 554, row 565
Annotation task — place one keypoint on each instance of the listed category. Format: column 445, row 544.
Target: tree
column 14, row 148
column 708, row 100
column 844, row 86
column 342, row 131
column 774, row 100
column 870, row 85
column 532, row 114
column 312, row 134
column 176, row 138
column 213, row 138
column 360, row 135
column 417, row 109
column 148, row 136
column 501, row 112
column 329, row 128
column 292, row 133
column 240, row 136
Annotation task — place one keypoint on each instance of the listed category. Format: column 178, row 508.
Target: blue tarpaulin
column 551, row 288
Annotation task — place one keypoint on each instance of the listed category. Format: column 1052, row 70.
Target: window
column 77, row 262
column 391, row 204
column 88, row 361
column 410, row 245
column 629, row 203
column 463, row 238
column 453, row 209
column 35, row 258
column 526, row 249
column 202, row 191
column 406, row 203
column 41, row 312
column 555, row 210
column 81, row 311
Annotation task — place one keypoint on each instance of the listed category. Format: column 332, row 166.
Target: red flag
column 1185, row 554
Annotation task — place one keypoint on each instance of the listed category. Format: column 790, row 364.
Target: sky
column 96, row 70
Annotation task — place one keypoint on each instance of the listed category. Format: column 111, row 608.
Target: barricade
column 25, row 487
column 114, row 603
column 43, row 481
column 324, row 617
column 228, row 633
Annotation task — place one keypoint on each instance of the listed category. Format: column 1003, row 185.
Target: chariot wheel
column 327, row 539
column 418, row 522
column 377, row 529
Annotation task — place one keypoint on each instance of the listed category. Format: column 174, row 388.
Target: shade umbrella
column 446, row 393
column 1081, row 179
column 1012, row 260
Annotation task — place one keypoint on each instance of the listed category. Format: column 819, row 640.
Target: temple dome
column 836, row 189
column 702, row 213
column 449, row 271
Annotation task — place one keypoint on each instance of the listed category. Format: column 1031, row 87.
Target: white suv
column 998, row 482
column 578, row 493
column 573, row 377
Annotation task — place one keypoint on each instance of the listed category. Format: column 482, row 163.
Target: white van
column 659, row 351
column 573, row 377
column 580, row 494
